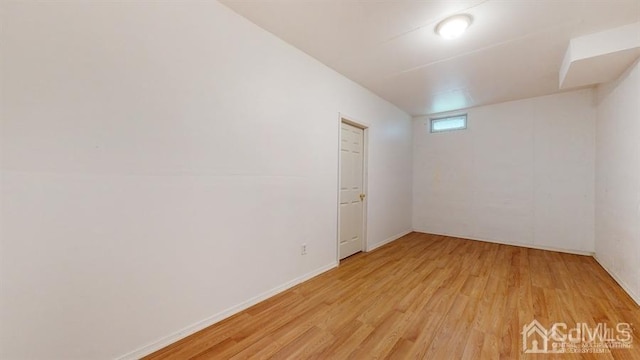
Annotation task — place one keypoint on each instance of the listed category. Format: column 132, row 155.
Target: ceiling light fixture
column 454, row 26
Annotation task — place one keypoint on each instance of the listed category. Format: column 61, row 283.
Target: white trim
column 622, row 284
column 191, row 329
column 530, row 246
column 352, row 121
column 388, row 240
column 365, row 186
column 342, row 118
column 339, row 153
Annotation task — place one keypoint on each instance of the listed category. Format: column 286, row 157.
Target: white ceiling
column 513, row 49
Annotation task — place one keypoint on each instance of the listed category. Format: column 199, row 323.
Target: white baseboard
column 531, row 246
column 170, row 339
column 622, row 284
column 388, row 240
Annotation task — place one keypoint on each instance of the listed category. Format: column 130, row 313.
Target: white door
column 351, row 190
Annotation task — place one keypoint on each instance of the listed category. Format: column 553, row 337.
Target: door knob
column 362, row 196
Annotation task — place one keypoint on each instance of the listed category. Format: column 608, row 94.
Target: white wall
column 618, row 180
column 522, row 173
column 162, row 163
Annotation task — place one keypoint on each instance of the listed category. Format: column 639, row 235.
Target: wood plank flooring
column 423, row 297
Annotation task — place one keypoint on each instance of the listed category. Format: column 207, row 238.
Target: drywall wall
column 617, row 239
column 162, row 163
column 521, row 173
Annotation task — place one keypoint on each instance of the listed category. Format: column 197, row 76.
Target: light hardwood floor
column 423, row 297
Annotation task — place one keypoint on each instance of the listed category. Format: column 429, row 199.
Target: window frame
column 436, row 119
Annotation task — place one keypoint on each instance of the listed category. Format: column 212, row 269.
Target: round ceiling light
column 454, row 26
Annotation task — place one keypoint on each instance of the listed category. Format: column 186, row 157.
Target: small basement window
column 449, row 123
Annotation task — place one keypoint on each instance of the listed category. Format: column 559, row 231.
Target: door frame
column 342, row 118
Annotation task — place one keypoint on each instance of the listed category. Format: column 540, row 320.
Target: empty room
column 323, row 179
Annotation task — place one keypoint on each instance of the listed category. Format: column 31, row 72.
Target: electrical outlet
column 304, row 249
